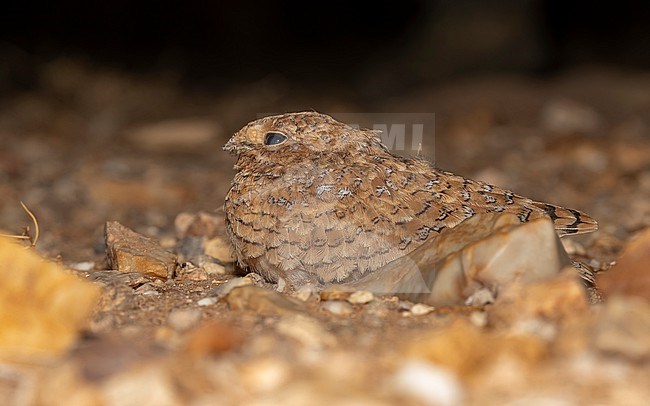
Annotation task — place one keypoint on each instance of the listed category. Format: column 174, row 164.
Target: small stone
column 361, row 297
column 281, row 285
column 207, row 301
column 213, row 269
column 147, row 289
column 182, row 223
column 428, row 383
column 128, row 251
column 147, row 384
column 466, row 349
column 224, row 289
column 333, row 293
column 211, row 338
column 478, row 319
column 624, row 328
column 306, row 292
column 630, row 275
column 265, row 374
column 262, row 301
column 573, row 248
column 558, row 298
column 183, row 319
column 421, row 309
column 480, row 297
column 219, row 249
column 338, row 307
column 199, row 224
column 43, row 308
column 195, row 275
column 306, row 330
column 83, row 266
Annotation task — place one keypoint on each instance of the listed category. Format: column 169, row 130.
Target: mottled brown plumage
column 326, row 202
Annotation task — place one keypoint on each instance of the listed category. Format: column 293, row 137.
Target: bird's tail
column 568, row 221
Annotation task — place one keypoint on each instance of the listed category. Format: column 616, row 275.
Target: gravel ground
column 89, row 146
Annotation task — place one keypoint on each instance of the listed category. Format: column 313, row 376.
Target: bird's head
column 277, row 138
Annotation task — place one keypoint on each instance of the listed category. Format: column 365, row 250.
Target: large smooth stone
column 485, row 252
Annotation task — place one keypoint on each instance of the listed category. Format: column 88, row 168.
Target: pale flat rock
column 487, row 251
column 307, row 331
column 128, row 251
column 42, row 307
column 262, row 301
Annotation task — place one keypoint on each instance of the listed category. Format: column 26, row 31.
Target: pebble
column 306, row 330
column 306, row 292
column 219, row 249
column 262, row 301
column 478, row 319
column 334, row 293
column 361, row 297
column 213, row 337
column 128, row 251
column 421, row 309
column 265, row 375
column 213, row 269
column 338, row 307
column 224, row 289
column 199, row 224
column 624, row 328
column 183, row 319
column 147, row 289
column 561, row 297
column 42, row 307
column 428, row 383
column 630, row 275
column 148, row 384
column 83, row 266
column 207, row 301
column 281, row 285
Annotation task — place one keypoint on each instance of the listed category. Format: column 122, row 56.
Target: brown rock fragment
column 262, row 301
column 631, row 274
column 212, row 338
column 466, row 349
column 42, row 307
column 128, row 251
column 560, row 297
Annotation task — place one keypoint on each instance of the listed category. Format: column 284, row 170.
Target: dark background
column 378, row 48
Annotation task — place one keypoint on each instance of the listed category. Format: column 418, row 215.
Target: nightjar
column 315, row 200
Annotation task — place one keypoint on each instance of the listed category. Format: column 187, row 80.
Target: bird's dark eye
column 274, row 138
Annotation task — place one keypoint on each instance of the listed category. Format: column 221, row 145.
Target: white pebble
column 361, row 297
column 420, row 309
column 428, row 383
column 337, row 307
column 207, row 301
column 83, row 266
column 479, row 319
